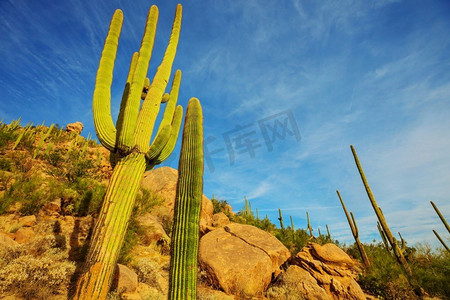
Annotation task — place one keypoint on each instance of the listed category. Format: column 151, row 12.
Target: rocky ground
column 236, row 261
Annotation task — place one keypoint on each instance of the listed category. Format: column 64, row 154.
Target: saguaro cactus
column 185, row 238
column 383, row 237
column 280, row 218
column 309, row 226
column 129, row 143
column 292, row 224
column 328, row 233
column 354, row 228
column 398, row 254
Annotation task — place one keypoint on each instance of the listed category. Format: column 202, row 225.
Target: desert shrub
column 220, row 206
column 146, row 200
column 36, row 274
column 55, row 158
column 6, row 136
column 5, row 164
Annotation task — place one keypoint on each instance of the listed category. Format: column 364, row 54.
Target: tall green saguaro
column 355, row 232
column 129, row 143
column 398, row 253
column 280, row 218
column 188, row 201
column 309, row 226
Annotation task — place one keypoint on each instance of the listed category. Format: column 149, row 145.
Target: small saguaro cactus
column 328, row 232
column 129, row 143
column 383, row 237
column 280, row 218
column 42, row 140
column 440, row 216
column 188, row 201
column 398, row 254
column 309, row 226
column 355, row 233
column 292, row 224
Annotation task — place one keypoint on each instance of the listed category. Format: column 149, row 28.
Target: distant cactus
column 398, row 254
column 292, row 224
column 309, row 226
column 328, row 233
column 383, row 237
column 43, row 137
column 355, row 233
column 185, row 237
column 280, row 218
column 129, row 143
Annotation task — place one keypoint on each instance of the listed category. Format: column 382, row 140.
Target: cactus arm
column 159, row 143
column 383, row 237
column 400, row 258
column 104, row 126
column 354, row 224
column 165, row 98
column 125, row 139
column 126, row 91
column 185, row 238
column 171, row 103
column 440, row 216
column 176, row 124
column 150, row 106
column 441, row 240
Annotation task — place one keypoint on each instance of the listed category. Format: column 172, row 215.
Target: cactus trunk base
column 111, row 227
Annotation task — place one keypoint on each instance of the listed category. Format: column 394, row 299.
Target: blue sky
column 375, row 74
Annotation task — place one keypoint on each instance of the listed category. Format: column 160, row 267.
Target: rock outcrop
column 319, row 272
column 241, row 259
column 76, row 127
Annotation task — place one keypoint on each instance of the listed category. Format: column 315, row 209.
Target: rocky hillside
column 51, row 185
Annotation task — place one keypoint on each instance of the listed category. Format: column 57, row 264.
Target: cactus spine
column 280, row 218
column 309, row 226
column 185, row 238
column 354, row 228
column 440, row 216
column 129, row 143
column 398, row 254
column 441, row 240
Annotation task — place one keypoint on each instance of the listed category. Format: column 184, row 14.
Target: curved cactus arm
column 168, row 148
column 150, row 106
column 104, row 126
column 126, row 91
column 125, row 140
column 440, row 216
column 441, row 240
column 383, row 237
column 171, row 102
column 309, row 225
column 185, row 237
column 403, row 243
column 158, row 144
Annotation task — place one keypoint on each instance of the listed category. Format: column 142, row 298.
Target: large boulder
column 125, row 280
column 241, row 259
column 320, row 272
column 76, row 127
column 163, row 181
